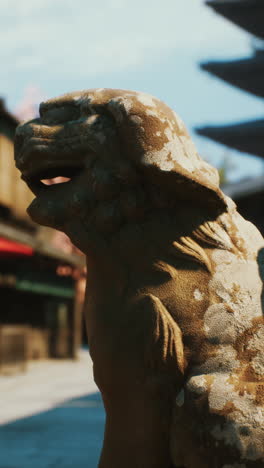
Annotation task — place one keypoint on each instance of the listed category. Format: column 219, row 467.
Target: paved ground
column 51, row 417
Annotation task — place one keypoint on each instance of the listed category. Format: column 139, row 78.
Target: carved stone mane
column 174, row 297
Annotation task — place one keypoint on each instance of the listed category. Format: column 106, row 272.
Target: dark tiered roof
column 245, row 136
column 248, row 14
column 247, row 74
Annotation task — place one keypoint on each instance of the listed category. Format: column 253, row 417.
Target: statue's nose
column 24, row 131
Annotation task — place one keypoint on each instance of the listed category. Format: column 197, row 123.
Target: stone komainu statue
column 174, row 297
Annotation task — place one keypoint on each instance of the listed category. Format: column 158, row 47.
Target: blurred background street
column 205, row 59
column 51, row 416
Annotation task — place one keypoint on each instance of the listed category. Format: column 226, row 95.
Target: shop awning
column 40, row 247
column 247, row 137
column 246, row 74
column 248, row 14
column 11, row 248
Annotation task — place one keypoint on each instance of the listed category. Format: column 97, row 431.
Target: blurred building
column 249, row 197
column 40, row 313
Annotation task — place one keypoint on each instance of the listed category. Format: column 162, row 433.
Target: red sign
column 8, row 247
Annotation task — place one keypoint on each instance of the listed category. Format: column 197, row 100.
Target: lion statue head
column 126, row 154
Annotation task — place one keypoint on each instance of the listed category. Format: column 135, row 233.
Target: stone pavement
column 51, row 417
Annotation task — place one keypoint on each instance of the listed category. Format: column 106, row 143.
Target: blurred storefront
column 40, row 281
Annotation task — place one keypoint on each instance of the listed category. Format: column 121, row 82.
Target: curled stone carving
column 174, row 297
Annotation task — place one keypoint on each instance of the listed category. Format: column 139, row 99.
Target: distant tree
column 225, row 168
column 28, row 106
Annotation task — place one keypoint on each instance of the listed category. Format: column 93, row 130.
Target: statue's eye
column 59, row 115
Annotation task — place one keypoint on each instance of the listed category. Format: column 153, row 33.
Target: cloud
column 92, row 38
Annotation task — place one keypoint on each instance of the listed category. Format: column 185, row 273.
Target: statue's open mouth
column 44, row 179
column 43, row 167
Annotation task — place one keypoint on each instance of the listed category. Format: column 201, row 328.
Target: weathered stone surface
column 174, row 296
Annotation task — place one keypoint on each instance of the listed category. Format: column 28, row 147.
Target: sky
column 57, row 46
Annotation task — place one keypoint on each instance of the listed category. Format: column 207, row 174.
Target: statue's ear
column 179, row 185
column 181, row 171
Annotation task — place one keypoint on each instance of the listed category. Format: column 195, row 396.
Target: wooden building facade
column 40, row 312
column 14, row 194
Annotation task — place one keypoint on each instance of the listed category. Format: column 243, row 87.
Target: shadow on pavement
column 69, row 435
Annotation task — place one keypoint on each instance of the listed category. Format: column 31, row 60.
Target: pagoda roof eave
column 248, row 14
column 247, row 137
column 246, row 74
